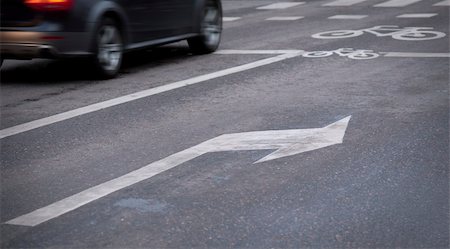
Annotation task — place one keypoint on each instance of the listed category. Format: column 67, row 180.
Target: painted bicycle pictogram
column 405, row 34
column 358, row 54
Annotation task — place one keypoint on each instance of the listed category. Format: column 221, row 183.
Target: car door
column 156, row 19
column 177, row 16
column 141, row 14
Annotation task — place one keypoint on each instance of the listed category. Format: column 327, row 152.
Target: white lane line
column 230, row 19
column 417, row 55
column 351, row 17
column 417, row 15
column 232, row 51
column 443, row 3
column 386, row 54
column 138, row 95
column 397, row 3
column 282, row 5
column 75, row 201
column 283, row 54
column 344, row 2
column 285, row 18
column 284, row 142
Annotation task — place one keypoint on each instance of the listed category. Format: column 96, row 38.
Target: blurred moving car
column 103, row 30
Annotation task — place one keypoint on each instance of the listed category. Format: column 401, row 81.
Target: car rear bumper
column 30, row 44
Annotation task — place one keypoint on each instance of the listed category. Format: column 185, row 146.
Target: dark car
column 103, row 30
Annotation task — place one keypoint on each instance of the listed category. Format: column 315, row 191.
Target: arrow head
column 314, row 139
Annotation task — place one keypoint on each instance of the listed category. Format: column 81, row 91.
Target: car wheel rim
column 109, row 48
column 211, row 26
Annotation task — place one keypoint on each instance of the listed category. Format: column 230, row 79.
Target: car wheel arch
column 107, row 9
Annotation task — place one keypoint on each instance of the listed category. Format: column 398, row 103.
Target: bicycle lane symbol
column 358, row 54
column 404, row 34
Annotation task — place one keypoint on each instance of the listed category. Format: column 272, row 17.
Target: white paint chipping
column 417, row 55
column 397, row 3
column 351, row 17
column 417, row 15
column 281, row 5
column 344, row 2
column 138, row 95
column 285, row 142
column 443, row 3
column 230, row 19
column 285, row 18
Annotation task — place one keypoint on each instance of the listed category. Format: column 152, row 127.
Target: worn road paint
column 282, row 5
column 344, row 2
column 417, row 15
column 284, row 142
column 352, row 17
column 285, row 18
column 139, row 95
column 397, row 3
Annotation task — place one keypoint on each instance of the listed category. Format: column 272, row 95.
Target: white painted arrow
column 284, row 142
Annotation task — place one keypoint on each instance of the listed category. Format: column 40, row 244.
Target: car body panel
column 142, row 23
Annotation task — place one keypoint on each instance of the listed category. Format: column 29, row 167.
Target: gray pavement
column 385, row 186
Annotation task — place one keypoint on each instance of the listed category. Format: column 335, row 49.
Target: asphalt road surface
column 330, row 146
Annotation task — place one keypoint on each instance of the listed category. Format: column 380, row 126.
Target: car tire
column 210, row 29
column 107, row 49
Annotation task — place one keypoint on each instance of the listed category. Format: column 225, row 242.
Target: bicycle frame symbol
column 359, row 54
column 405, row 34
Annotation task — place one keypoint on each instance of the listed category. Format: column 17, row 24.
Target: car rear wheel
column 210, row 29
column 108, row 49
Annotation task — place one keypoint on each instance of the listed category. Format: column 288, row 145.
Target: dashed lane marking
column 344, row 2
column 443, row 3
column 284, row 18
column 351, row 17
column 417, row 15
column 397, row 3
column 230, row 19
column 282, row 5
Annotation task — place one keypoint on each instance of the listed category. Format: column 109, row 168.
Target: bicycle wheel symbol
column 317, row 54
column 338, row 34
column 363, row 56
column 418, row 36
